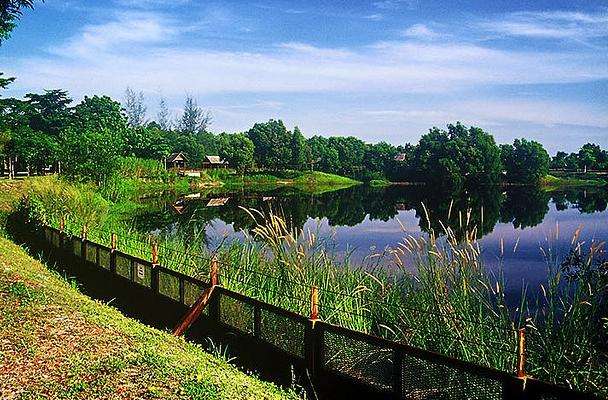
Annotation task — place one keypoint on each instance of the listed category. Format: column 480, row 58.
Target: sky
column 379, row 70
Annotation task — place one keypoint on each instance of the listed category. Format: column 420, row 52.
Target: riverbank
column 557, row 182
column 58, row 343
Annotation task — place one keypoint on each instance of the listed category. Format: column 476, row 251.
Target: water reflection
column 522, row 207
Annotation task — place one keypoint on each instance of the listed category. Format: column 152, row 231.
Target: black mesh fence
column 387, row 366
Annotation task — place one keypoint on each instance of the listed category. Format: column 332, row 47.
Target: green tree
column 272, row 143
column 49, row 112
column 36, row 148
column 100, row 113
column 147, row 141
column 458, row 156
column 299, row 149
column 135, row 107
column 237, row 149
column 10, row 12
column 194, row 119
column 525, row 161
column 351, row 151
column 91, row 154
column 559, row 160
column 323, row 156
column 378, row 159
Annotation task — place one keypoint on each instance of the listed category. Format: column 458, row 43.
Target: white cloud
column 374, row 17
column 420, row 31
column 551, row 24
column 396, row 4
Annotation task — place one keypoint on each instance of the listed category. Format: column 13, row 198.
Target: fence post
column 83, row 243
column 516, row 387
column 521, row 353
column 113, row 245
column 398, row 372
column 62, row 233
column 314, row 336
column 154, row 269
column 62, row 224
column 214, row 280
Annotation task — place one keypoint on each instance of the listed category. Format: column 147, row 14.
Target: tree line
column 86, row 141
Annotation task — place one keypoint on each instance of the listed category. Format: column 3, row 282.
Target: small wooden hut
column 211, row 162
column 176, row 160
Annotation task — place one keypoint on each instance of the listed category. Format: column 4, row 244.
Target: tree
column 351, row 151
column 37, row 149
column 559, row 160
column 135, row 107
column 99, row 113
column 237, row 149
column 272, row 143
column 322, row 155
column 299, row 149
column 526, row 161
column 378, row 159
column 148, row 141
column 91, row 154
column 194, row 119
column 163, row 117
column 10, row 12
column 458, row 156
column 4, row 82
column 49, row 112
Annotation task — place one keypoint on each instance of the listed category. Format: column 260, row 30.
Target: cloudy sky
column 380, row 70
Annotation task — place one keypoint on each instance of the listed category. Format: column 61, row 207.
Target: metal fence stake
column 154, row 277
column 314, row 303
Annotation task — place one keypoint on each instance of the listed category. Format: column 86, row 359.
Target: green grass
column 58, row 343
column 379, row 183
column 553, row 182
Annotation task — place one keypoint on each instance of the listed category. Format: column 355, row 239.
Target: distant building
column 214, row 162
column 401, row 157
column 176, row 160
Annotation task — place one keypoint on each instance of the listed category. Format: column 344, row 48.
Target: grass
column 553, row 182
column 57, row 343
column 437, row 295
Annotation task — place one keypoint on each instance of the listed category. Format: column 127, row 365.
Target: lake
column 362, row 220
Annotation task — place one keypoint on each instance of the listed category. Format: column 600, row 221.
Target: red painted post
column 214, row 278
column 521, row 353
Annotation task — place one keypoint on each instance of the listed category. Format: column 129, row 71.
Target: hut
column 176, row 160
column 211, row 162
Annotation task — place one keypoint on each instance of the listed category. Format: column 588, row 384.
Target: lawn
column 57, row 343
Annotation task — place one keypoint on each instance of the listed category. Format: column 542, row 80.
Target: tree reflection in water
column 482, row 208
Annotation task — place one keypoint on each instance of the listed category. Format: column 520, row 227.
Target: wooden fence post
column 83, row 243
column 521, row 353
column 214, row 280
column 314, row 336
column 113, row 246
column 314, row 303
column 154, row 269
column 62, row 224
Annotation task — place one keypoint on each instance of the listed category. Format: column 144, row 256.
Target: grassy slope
column 552, row 182
column 57, row 343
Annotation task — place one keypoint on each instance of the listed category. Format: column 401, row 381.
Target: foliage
column 48, row 112
column 272, row 143
column 10, row 12
column 194, row 119
column 237, row 149
column 37, row 149
column 135, row 107
column 91, row 154
column 456, row 157
column 525, row 161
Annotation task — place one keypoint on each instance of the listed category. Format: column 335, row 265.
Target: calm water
column 363, row 220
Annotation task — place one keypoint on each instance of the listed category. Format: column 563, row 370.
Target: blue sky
column 379, row 70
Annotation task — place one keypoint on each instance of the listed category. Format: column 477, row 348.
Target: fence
column 389, row 367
